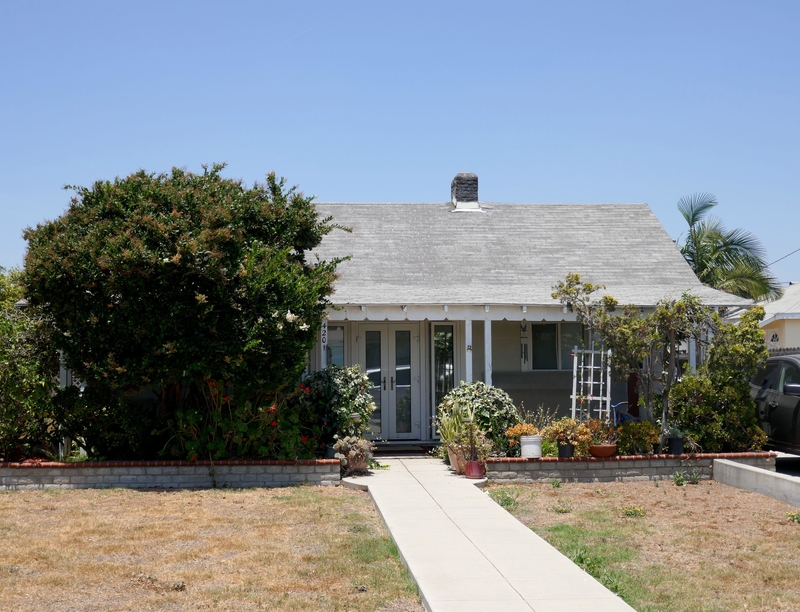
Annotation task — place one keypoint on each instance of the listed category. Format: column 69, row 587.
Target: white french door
column 389, row 354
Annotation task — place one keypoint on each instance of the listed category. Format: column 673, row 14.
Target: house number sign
column 323, row 333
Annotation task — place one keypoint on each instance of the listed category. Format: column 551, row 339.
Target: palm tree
column 730, row 260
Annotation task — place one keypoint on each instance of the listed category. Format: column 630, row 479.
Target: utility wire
column 784, row 257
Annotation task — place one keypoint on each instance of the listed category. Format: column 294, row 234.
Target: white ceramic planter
column 530, row 447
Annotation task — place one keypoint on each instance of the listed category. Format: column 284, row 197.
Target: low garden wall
column 515, row 470
column 168, row 474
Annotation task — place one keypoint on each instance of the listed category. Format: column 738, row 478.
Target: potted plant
column 527, row 437
column 475, row 448
column 354, row 453
column 449, row 428
column 604, row 438
column 569, row 434
column 674, row 436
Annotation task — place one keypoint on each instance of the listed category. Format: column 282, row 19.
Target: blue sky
column 378, row 101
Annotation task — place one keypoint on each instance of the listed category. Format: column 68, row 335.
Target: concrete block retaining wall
column 514, row 470
column 778, row 486
column 168, row 474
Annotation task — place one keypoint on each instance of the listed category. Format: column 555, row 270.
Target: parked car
column 776, row 390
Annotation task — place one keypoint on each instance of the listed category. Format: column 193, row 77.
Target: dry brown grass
column 705, row 547
column 302, row 548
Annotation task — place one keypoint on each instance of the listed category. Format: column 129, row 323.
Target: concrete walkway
column 467, row 554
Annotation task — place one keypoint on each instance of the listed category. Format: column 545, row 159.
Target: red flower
column 301, row 386
column 304, row 439
column 308, row 390
column 226, row 398
column 211, row 383
column 274, row 424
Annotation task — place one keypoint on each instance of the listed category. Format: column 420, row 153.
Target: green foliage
column 105, row 423
column 731, row 260
column 506, row 497
column 167, row 281
column 638, row 340
column 229, row 425
column 567, row 430
column 549, row 448
column 353, row 451
column 633, row 511
column 11, row 290
column 738, row 349
column 28, row 366
column 717, row 413
column 331, row 396
column 714, row 407
column 679, row 478
column 637, row 438
column 793, row 517
column 494, row 411
column 472, row 443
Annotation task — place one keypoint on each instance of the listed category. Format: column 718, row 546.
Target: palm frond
column 695, row 206
column 730, row 260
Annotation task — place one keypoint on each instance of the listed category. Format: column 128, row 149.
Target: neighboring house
column 781, row 322
column 439, row 293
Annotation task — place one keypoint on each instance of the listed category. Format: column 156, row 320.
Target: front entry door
column 389, row 354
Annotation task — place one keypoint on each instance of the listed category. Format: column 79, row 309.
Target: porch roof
column 505, row 254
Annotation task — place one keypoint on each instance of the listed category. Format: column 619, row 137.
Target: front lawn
column 301, row 548
column 665, row 548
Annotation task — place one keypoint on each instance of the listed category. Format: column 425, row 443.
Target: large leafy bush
column 493, row 409
column 714, row 407
column 332, row 396
column 168, row 281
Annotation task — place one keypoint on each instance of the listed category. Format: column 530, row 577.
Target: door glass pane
column 443, row 361
column 402, row 381
column 373, row 365
column 335, row 350
column 571, row 336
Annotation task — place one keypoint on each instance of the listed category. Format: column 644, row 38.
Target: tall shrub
column 169, row 281
column 28, row 366
column 714, row 407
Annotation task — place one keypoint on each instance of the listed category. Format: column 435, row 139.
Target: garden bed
column 667, row 548
column 168, row 474
column 516, row 470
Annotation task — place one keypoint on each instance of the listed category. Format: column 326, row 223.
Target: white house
column 443, row 292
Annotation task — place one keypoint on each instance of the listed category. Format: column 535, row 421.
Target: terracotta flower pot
column 602, row 450
column 456, row 461
column 474, row 469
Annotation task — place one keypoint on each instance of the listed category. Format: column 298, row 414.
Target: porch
column 414, row 355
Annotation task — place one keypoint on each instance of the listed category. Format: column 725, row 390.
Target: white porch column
column 487, row 352
column 693, row 355
column 468, row 351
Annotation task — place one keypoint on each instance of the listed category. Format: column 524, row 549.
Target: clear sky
column 385, row 102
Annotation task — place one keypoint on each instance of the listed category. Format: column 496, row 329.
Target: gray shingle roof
column 506, row 254
column 788, row 304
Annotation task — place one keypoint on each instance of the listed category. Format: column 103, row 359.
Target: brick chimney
column 464, row 191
